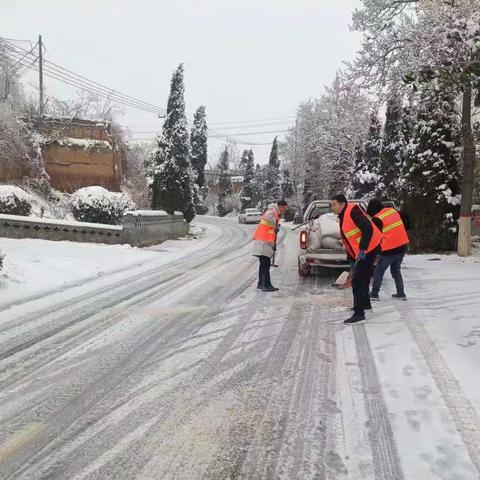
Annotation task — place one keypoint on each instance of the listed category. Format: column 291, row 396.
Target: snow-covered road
column 178, row 368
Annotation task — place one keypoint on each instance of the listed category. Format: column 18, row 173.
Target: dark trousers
column 394, row 261
column 264, row 272
column 362, row 272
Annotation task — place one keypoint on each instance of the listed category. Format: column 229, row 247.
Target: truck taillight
column 303, row 240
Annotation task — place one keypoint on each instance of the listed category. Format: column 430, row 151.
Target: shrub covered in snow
column 14, row 201
column 98, row 205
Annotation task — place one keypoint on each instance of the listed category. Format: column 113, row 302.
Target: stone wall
column 147, row 227
column 139, row 228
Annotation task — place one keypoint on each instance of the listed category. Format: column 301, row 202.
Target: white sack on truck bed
column 324, row 232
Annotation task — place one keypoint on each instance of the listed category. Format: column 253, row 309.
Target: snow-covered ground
column 35, row 268
column 426, row 352
column 178, row 367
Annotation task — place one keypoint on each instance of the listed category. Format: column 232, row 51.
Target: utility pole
column 40, row 75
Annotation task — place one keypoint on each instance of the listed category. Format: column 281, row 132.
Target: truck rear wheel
column 303, row 270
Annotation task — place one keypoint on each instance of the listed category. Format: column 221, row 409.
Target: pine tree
column 288, row 190
column 248, row 194
column 225, row 188
column 367, row 163
column 432, row 180
column 198, row 142
column 392, row 159
column 273, row 183
column 172, row 175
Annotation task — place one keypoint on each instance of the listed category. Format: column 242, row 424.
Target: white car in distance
column 249, row 215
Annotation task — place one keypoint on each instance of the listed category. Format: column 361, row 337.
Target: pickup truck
column 320, row 245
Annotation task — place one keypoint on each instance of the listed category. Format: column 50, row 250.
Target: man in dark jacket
column 394, row 225
column 362, row 242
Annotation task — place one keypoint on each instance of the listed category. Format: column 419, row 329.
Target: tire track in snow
column 148, row 277
column 60, row 421
column 149, row 286
column 462, row 411
column 386, row 460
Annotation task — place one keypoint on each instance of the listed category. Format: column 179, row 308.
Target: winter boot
column 270, row 289
column 355, row 319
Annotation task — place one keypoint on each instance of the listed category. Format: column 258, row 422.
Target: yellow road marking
column 19, row 440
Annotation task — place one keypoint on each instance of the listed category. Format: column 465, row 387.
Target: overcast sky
column 246, row 60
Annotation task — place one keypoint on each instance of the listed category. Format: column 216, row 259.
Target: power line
column 81, row 86
column 56, row 72
column 235, row 127
column 63, row 75
column 253, row 121
column 61, row 70
column 237, row 141
column 226, row 135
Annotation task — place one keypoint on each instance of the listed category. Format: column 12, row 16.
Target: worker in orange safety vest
column 394, row 226
column 265, row 242
column 362, row 240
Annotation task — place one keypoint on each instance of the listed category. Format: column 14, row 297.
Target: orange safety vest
column 265, row 231
column 394, row 232
column 352, row 235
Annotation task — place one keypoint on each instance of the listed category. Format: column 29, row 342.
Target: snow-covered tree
column 392, row 159
column 198, row 142
column 225, row 188
column 288, row 190
column 434, row 42
column 199, row 157
column 272, row 186
column 366, row 175
column 261, row 175
column 248, row 192
column 171, row 175
column 320, row 148
column 432, row 179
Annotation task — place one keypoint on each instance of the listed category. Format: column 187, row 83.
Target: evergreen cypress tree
column 259, row 185
column 273, row 183
column 366, row 177
column 432, row 180
column 199, row 157
column 287, row 185
column 392, row 159
column 248, row 194
column 225, row 188
column 198, row 141
column 172, row 176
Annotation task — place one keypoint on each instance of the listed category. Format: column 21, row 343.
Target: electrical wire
column 56, row 72
column 109, row 96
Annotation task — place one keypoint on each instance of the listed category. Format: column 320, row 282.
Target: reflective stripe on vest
column 352, row 235
column 265, row 230
column 394, row 232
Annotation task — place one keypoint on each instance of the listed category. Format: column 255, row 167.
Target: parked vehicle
column 249, row 215
column 320, row 244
